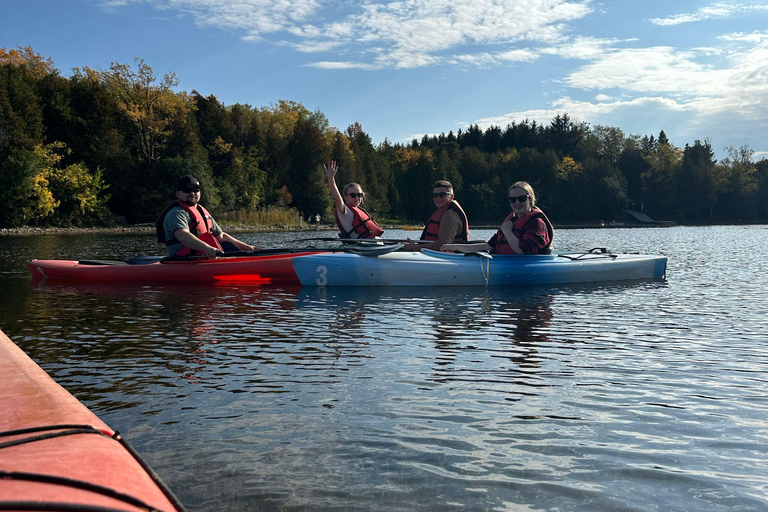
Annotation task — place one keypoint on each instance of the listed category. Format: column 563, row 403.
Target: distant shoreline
column 147, row 229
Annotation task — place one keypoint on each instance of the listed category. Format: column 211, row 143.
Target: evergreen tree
column 699, row 180
column 308, row 152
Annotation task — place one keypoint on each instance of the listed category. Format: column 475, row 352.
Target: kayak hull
column 432, row 268
column 268, row 269
column 56, row 463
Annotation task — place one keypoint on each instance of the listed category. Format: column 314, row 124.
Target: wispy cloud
column 493, row 59
column 666, row 81
column 757, row 37
column 425, row 32
column 582, row 47
column 713, row 11
column 395, row 34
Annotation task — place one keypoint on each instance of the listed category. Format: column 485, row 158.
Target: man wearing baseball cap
column 187, row 228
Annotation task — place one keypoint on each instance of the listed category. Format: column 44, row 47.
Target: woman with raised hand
column 351, row 218
column 525, row 231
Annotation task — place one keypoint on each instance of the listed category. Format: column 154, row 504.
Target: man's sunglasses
column 191, row 189
column 520, row 199
column 354, row 195
column 440, row 195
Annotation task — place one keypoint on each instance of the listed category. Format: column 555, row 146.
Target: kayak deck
column 55, row 454
column 260, row 269
column 264, row 266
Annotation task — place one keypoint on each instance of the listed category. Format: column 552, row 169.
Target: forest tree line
column 100, row 145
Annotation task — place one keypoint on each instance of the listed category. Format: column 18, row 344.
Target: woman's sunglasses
column 354, row 195
column 440, row 195
column 520, row 199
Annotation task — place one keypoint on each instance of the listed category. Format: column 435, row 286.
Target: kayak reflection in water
column 525, row 231
column 187, row 228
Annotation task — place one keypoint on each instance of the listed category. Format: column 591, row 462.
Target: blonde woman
column 525, row 231
column 351, row 218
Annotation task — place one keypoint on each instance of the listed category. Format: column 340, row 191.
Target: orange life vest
column 501, row 246
column 432, row 228
column 362, row 224
column 200, row 224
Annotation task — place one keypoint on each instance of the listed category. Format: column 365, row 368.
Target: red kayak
column 55, row 454
column 266, row 267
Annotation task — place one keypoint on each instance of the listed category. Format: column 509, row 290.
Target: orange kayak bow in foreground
column 55, row 454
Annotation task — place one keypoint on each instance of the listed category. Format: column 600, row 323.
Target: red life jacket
column 501, row 246
column 433, row 224
column 362, row 224
column 200, row 224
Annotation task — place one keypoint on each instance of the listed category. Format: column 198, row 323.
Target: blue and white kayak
column 434, row 268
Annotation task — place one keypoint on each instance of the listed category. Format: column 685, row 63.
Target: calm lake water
column 612, row 397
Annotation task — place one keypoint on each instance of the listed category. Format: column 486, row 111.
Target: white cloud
column 656, row 69
column 419, row 32
column 661, row 84
column 580, row 110
column 340, row 65
column 313, row 47
column 397, row 34
column 755, row 37
column 716, row 10
column 582, row 48
column 487, row 59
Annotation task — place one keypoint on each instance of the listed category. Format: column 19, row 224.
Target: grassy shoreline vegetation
column 81, row 150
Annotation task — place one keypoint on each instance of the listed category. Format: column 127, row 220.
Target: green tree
column 214, row 120
column 308, row 152
column 659, row 193
column 80, row 194
column 698, row 177
column 742, row 183
column 632, row 165
column 413, row 171
column 21, row 116
column 244, row 177
column 26, row 196
column 373, row 171
column 565, row 137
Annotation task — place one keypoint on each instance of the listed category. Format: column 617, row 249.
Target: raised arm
column 330, row 173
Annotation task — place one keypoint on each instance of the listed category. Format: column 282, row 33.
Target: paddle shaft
column 381, row 240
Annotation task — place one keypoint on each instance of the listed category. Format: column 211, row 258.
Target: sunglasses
column 440, row 195
column 190, row 190
column 354, row 195
column 520, row 199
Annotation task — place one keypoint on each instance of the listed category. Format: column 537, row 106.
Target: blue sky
column 697, row 70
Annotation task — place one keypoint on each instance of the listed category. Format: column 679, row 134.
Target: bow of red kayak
column 55, row 454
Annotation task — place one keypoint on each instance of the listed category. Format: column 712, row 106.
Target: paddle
column 362, row 249
column 438, row 254
column 380, row 240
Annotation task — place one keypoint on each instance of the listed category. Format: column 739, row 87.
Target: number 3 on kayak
column 322, row 278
